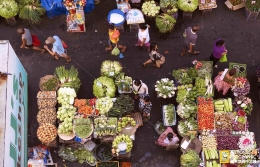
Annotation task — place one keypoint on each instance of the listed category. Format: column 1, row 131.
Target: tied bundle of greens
column 190, row 159
column 111, row 68
column 187, row 109
column 123, row 105
column 187, row 125
column 185, row 76
column 123, row 83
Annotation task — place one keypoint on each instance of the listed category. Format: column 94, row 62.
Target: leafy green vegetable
column 123, row 82
column 188, row 5
column 253, row 7
column 190, row 159
column 169, row 6
column 67, row 153
column 8, row 8
column 187, row 109
column 186, row 125
column 185, row 76
column 123, row 105
column 111, row 68
column 165, row 23
column 206, row 69
column 83, row 127
column 104, row 86
column 50, row 85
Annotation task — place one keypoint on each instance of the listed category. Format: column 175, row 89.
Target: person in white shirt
column 143, row 36
column 167, row 138
column 139, row 88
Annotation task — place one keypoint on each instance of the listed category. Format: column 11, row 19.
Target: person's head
column 143, row 26
column 220, row 42
column 147, row 98
column 153, row 47
column 195, row 28
column 232, row 72
column 111, row 26
column 170, row 136
column 137, row 82
column 49, row 40
column 20, row 30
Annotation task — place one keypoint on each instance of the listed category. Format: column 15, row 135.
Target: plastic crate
column 109, row 163
column 174, row 120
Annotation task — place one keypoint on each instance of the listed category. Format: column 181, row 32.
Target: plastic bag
column 67, row 153
column 36, row 163
column 115, row 34
column 159, row 128
column 223, row 58
column 115, row 51
column 35, row 41
column 39, row 152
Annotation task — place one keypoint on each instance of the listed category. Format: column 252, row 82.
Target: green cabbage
column 190, row 159
column 111, row 68
column 188, row 5
column 104, row 86
column 8, row 8
column 164, row 23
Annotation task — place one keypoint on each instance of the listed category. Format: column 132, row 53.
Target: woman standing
column 113, row 42
column 155, row 58
column 218, row 51
column 225, row 80
column 143, row 36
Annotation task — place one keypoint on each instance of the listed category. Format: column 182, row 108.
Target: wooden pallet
column 138, row 118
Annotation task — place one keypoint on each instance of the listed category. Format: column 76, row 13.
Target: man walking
column 27, row 41
column 57, row 48
column 190, row 36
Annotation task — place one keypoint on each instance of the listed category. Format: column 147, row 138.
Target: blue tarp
column 56, row 8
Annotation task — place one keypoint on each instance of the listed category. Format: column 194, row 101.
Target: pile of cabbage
column 188, row 5
column 104, row 104
column 150, row 8
column 190, row 159
column 104, row 86
column 111, row 68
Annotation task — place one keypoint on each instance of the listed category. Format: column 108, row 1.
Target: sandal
column 123, row 50
column 69, row 60
column 56, row 57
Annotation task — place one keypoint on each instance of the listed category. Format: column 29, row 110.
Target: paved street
column 87, row 51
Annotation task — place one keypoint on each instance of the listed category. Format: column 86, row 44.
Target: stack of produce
column 240, row 124
column 209, row 141
column 104, row 86
column 165, row 88
column 187, row 125
column 223, row 121
column 183, row 92
column 241, row 87
column 169, row 6
column 169, row 115
column 83, row 127
column 46, row 103
column 187, row 109
column 122, row 139
column 185, row 76
column 50, row 85
column 123, row 105
column 227, row 142
column 68, row 78
column 125, row 122
column 47, row 115
column 150, row 8
column 103, row 105
column 105, row 126
column 111, row 68
column 223, row 105
column 205, row 113
column 204, row 68
column 47, row 133
column 46, row 94
column 66, row 96
column 84, row 155
column 123, row 83
column 247, row 141
column 204, row 86
column 190, row 159
column 243, row 105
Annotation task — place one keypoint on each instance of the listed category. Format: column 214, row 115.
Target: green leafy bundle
column 111, row 68
column 169, row 6
column 104, row 86
column 190, row 159
column 188, row 5
column 8, row 8
column 185, row 76
column 165, row 23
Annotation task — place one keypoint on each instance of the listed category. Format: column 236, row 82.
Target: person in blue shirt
column 57, row 48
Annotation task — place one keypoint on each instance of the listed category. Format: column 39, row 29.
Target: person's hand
column 22, row 46
column 45, row 46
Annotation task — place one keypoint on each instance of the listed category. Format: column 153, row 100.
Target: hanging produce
column 111, row 68
column 185, row 76
column 150, row 8
column 241, row 86
column 123, row 105
column 124, row 83
column 165, row 88
column 190, row 159
column 104, row 86
column 103, row 105
column 187, row 109
column 121, row 140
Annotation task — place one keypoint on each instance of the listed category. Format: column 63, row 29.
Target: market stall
column 133, row 18
column 14, row 108
column 75, row 15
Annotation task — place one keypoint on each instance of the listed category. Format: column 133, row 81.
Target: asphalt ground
column 87, row 51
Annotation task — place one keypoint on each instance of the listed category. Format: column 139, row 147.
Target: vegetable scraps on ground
column 190, row 159
column 205, row 113
column 111, row 68
column 104, row 86
column 165, row 88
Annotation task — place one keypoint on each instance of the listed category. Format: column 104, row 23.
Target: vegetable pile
column 68, row 78
column 103, row 105
column 122, row 139
column 83, row 127
column 223, row 105
column 80, row 102
column 182, row 92
column 105, row 126
column 204, row 86
column 123, row 105
column 84, row 155
column 188, row 5
column 187, row 125
column 111, row 68
column 223, row 121
column 150, row 8
column 66, row 114
column 46, row 94
column 185, row 76
column 86, row 110
column 246, row 141
column 50, row 85
column 241, row 87
column 169, row 6
column 46, row 103
column 187, row 109
column 205, row 113
column 210, row 154
column 190, row 159
column 204, row 68
column 243, row 105
column 125, row 121
column 104, row 86
column 123, row 83
column 46, row 115
column 227, row 142
column 165, row 23
column 67, row 153
column 46, row 133
column 165, row 88
column 169, row 115
column 66, row 96
column 240, row 124
column 209, row 141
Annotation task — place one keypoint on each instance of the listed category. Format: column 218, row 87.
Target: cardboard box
column 231, row 7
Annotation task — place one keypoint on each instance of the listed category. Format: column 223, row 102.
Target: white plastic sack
column 36, row 163
column 116, row 18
